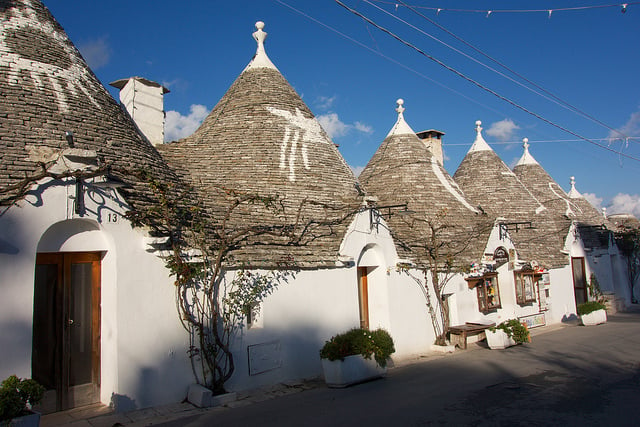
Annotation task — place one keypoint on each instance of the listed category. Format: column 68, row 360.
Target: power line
column 480, row 85
column 382, row 55
column 489, row 12
column 531, row 141
column 556, row 99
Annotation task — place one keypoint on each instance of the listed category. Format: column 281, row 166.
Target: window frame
column 520, row 286
column 483, row 284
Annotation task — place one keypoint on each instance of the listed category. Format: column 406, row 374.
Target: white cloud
column 625, row 203
column 96, row 52
column 357, row 170
column 361, row 127
column 178, row 126
column 332, row 125
column 593, row 199
column 336, row 128
column 325, row 102
column 503, row 130
column 631, row 128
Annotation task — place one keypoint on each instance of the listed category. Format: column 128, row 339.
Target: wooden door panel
column 66, row 330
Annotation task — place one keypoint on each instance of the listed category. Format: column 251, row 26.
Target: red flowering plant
column 378, row 344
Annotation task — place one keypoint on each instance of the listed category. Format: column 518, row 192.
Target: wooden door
column 66, row 329
column 579, row 280
column 363, row 297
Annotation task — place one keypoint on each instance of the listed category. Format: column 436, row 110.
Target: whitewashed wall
column 143, row 347
column 315, row 305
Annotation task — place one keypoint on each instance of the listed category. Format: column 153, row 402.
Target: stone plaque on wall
column 264, row 357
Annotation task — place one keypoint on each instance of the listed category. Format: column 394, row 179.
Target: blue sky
column 588, row 58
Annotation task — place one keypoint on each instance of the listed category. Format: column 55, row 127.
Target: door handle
column 70, row 322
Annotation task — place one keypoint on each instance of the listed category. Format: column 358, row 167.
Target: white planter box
column 499, row 339
column 352, row 370
column 594, row 318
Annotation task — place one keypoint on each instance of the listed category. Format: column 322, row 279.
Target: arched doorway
column 66, row 314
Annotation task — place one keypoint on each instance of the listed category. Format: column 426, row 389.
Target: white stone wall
column 143, row 347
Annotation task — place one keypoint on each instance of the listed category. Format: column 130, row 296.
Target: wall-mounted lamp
column 375, row 213
column 505, row 227
column 78, row 203
column 69, row 135
column 110, row 181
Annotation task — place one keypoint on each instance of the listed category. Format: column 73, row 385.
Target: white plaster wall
column 299, row 317
column 315, row 305
column 143, row 347
column 562, row 301
column 410, row 323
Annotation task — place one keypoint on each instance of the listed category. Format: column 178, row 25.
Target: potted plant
column 508, row 333
column 592, row 313
column 355, row 356
column 17, row 396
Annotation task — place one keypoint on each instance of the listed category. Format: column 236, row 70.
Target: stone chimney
column 433, row 140
column 144, row 100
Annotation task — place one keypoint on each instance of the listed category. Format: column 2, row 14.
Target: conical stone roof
column 48, row 94
column 403, row 170
column 561, row 209
column 488, row 182
column 262, row 139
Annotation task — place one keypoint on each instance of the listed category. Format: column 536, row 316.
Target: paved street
column 574, row 375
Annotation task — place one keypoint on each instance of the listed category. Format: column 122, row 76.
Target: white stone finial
column 260, row 60
column 527, row 158
column 604, row 212
column 573, row 193
column 401, row 127
column 260, row 35
column 479, row 144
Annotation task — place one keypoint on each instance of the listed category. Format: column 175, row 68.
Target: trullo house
column 97, row 310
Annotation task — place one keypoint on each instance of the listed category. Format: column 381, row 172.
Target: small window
column 253, row 316
column 526, row 286
column 488, row 292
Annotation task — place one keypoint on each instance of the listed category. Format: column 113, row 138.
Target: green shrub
column 17, row 395
column 514, row 329
column 589, row 306
column 378, row 344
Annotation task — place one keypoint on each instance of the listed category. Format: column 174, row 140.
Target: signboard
column 534, row 320
column 500, row 256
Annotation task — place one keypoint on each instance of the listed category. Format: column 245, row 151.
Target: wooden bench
column 458, row 334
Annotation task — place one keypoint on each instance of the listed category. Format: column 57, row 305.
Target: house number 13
column 111, row 217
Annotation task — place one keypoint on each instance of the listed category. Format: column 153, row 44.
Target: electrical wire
column 488, row 12
column 480, row 85
column 554, row 98
column 382, row 55
column 531, row 141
